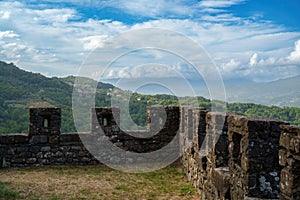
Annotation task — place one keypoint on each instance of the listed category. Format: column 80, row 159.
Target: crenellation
column 217, row 155
column 163, row 125
column 289, row 158
column 254, row 156
column 225, row 156
column 105, row 119
column 44, row 121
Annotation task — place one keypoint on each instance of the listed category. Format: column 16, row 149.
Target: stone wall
column 205, row 159
column 237, row 157
column 289, row 158
column 162, row 127
column 254, row 161
column 225, row 156
column 45, row 145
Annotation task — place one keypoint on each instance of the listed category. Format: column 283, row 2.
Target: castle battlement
column 225, row 156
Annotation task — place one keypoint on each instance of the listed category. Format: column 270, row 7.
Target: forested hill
column 17, row 85
column 20, row 89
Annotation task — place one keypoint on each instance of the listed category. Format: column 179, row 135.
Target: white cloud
column 154, row 8
column 49, row 34
column 159, row 8
column 170, row 8
column 7, row 34
column 295, row 55
column 221, row 18
column 52, row 15
column 219, row 3
column 145, row 71
column 253, row 60
column 5, row 14
column 60, row 37
column 92, row 42
column 231, row 65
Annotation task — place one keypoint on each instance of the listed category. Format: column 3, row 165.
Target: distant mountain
column 71, row 79
column 283, row 92
column 237, row 81
column 20, row 89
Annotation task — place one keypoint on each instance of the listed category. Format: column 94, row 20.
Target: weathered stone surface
column 206, row 153
column 221, row 180
column 45, row 145
column 254, row 152
column 13, row 138
column 225, row 156
column 31, row 160
column 70, row 138
column 38, row 139
column 289, row 158
column 46, row 148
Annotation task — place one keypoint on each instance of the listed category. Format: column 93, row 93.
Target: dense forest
column 21, row 90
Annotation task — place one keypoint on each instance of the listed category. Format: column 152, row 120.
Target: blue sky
column 257, row 40
column 279, row 12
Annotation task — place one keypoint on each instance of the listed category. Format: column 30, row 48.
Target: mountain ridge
column 21, row 89
column 282, row 92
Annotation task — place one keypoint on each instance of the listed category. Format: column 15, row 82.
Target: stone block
column 54, row 139
column 290, row 182
column 20, row 139
column 293, row 164
column 70, row 138
column 283, row 154
column 45, row 148
column 295, row 144
column 221, row 180
column 285, row 140
column 31, row 160
column 22, row 149
column 38, row 139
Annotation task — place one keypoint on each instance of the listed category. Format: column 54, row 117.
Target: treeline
column 289, row 114
column 138, row 108
column 15, row 119
column 20, row 89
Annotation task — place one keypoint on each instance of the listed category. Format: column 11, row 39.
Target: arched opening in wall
column 46, row 121
column 106, row 120
column 236, row 138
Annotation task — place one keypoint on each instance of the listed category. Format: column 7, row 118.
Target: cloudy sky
column 257, row 40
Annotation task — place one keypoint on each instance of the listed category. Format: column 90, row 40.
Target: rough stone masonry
column 225, row 156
